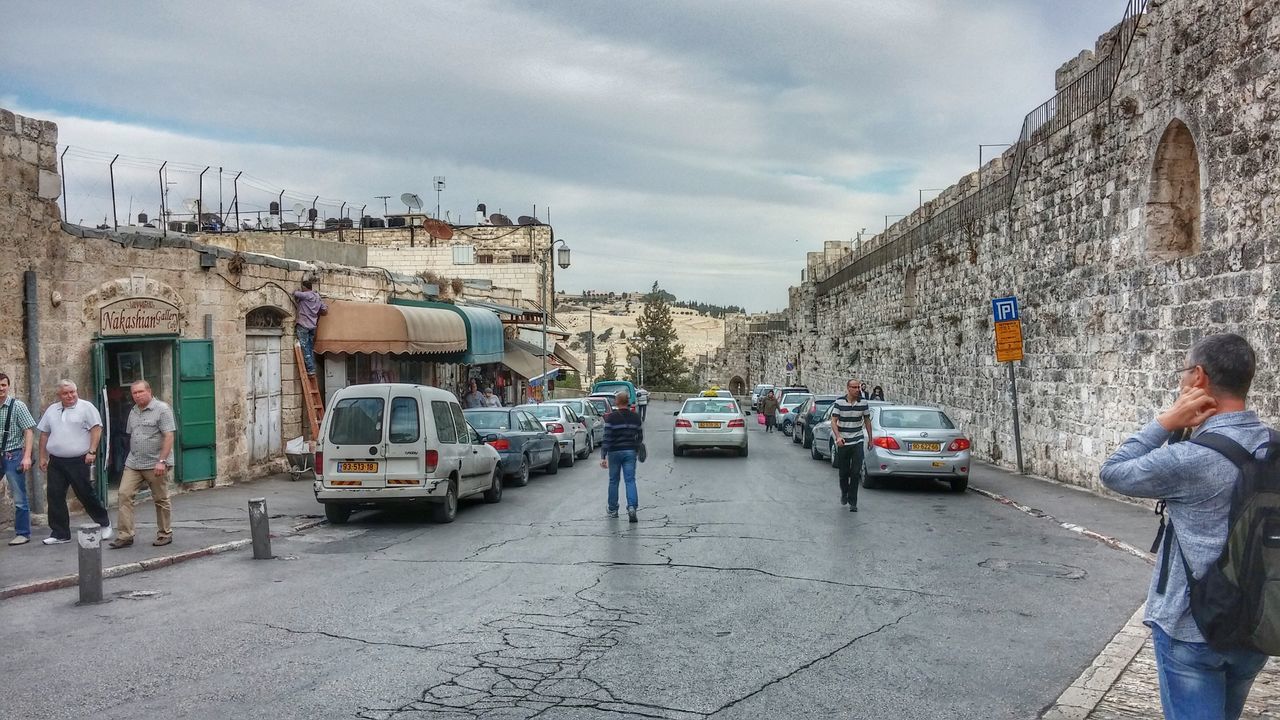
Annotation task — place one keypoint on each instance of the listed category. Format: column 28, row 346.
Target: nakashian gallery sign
column 139, row 316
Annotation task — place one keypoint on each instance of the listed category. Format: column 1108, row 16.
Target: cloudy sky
column 706, row 145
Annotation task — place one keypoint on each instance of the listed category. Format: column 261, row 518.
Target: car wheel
column 586, row 452
column 337, row 514
column 742, row 451
column 831, row 447
column 521, row 478
column 868, row 481
column 677, row 450
column 807, row 439
column 567, row 459
column 786, row 429
column 447, row 510
column 553, row 467
column 796, row 432
column 494, row 493
column 959, row 484
column 813, row 451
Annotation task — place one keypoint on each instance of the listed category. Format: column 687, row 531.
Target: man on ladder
column 310, row 308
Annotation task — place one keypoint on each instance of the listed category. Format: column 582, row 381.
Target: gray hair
column 1228, row 360
column 143, row 383
column 64, row 383
column 622, row 396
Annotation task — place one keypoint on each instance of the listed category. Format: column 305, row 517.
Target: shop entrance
column 180, row 373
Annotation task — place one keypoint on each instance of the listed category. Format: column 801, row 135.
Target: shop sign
column 139, row 316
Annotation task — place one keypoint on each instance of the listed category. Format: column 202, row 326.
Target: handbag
column 641, row 453
column 760, row 418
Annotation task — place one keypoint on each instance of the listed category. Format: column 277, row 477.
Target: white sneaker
column 107, row 532
column 55, row 541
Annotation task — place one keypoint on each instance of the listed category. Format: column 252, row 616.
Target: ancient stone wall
column 1145, row 224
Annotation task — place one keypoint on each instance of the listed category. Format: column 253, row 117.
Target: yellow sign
column 1008, row 340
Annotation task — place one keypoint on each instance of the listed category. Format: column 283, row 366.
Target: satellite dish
column 191, row 204
column 298, row 209
column 438, row 229
column 527, row 220
column 499, row 219
column 411, row 200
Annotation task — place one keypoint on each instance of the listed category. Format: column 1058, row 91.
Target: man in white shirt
column 69, row 434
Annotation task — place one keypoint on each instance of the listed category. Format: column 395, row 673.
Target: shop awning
column 356, row 327
column 483, row 328
column 567, row 358
column 523, row 363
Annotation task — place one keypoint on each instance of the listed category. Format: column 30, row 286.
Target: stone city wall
column 1142, row 226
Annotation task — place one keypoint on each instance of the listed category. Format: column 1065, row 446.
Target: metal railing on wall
column 1079, row 98
column 113, row 191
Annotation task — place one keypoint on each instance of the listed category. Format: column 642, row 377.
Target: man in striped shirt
column 850, row 425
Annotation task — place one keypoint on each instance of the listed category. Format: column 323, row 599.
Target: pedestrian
column 16, row 440
column 491, row 400
column 849, row 420
column 642, row 402
column 877, row 393
column 150, row 428
column 769, row 409
column 1196, row 484
column 310, row 308
column 474, row 398
column 69, row 433
column 623, row 438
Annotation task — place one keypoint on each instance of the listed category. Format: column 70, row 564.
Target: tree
column 610, row 371
column 655, row 339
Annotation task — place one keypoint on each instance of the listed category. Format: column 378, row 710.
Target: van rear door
column 405, row 455
column 354, row 445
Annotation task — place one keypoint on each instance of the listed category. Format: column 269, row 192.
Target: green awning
column 484, row 330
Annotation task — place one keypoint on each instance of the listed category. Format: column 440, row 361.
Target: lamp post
column 591, row 341
column 562, row 258
column 644, row 341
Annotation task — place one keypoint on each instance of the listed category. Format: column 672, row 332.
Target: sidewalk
column 204, row 522
column 1121, row 683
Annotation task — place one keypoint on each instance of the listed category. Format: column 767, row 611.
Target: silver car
column 709, row 422
column 785, row 417
column 588, row 411
column 909, row 441
column 569, row 430
column 823, row 446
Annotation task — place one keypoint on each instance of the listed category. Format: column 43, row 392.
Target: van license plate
column 926, row 446
column 358, row 467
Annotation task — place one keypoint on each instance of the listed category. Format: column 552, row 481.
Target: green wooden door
column 98, row 359
column 196, row 412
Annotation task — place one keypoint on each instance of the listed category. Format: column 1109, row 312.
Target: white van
column 394, row 443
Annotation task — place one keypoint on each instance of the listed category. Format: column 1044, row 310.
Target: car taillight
column 782, row 410
column 958, row 444
column 886, row 442
column 737, row 423
column 683, row 423
column 555, row 428
column 319, row 465
column 500, row 444
column 433, row 459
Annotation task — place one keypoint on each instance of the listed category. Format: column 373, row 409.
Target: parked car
column 787, row 403
column 909, row 441
column 394, row 443
column 568, row 429
column 806, row 415
column 611, row 387
column 758, row 394
column 602, row 403
column 588, row 412
column 823, row 446
column 522, row 442
column 709, row 422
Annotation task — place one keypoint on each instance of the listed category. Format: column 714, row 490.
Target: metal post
column 111, row 169
column 362, row 207
column 260, row 528
column 311, row 219
column 280, row 206
column 62, row 163
column 89, row 540
column 545, row 270
column 1017, row 425
column 222, row 218
column 200, row 201
column 163, row 223
column 31, row 318
column 341, row 210
column 591, row 343
column 235, row 198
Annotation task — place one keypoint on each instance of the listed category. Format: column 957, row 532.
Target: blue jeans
column 1200, row 683
column 11, row 468
column 622, row 463
column 307, row 339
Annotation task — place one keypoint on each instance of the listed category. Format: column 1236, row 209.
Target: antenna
column 384, row 199
column 411, row 200
column 439, row 183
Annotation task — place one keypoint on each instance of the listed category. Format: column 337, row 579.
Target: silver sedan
column 709, row 422
column 915, row 441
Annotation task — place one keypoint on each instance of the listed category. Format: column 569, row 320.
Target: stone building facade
column 1128, row 230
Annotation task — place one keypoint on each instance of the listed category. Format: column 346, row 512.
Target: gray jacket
column 1196, row 484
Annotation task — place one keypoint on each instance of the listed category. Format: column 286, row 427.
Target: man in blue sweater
column 1196, row 484
column 623, row 436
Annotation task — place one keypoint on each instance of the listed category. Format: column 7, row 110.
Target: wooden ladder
column 310, row 394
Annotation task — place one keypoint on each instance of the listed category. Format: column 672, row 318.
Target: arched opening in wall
column 738, row 386
column 1173, row 208
column 909, row 292
column 263, row 329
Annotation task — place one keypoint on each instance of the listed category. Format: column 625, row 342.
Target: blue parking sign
column 1005, row 308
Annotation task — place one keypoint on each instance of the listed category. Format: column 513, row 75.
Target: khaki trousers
column 130, row 483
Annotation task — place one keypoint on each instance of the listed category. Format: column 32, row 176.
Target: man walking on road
column 623, row 436
column 769, row 409
column 16, row 439
column 150, row 427
column 1196, row 484
column 69, row 434
column 310, row 308
column 849, row 420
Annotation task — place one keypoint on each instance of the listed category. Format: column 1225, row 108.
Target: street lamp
column 645, row 341
column 591, row 341
column 562, row 258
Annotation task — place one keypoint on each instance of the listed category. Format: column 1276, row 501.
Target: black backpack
column 1236, row 604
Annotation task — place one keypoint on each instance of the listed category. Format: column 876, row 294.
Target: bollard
column 89, row 540
column 260, row 528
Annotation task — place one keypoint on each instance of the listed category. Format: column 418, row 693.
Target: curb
column 1082, row 696
column 115, row 571
column 1104, row 539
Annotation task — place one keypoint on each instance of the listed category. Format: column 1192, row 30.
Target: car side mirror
column 676, row 413
column 491, row 437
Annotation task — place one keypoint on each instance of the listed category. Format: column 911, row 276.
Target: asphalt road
column 746, row 591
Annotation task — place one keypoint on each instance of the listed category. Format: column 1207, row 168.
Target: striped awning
column 356, row 327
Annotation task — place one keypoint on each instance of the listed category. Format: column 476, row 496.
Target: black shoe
column 844, row 497
column 631, row 516
column 853, row 508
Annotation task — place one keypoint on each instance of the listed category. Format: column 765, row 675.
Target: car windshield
column 724, row 394
column 915, row 420
column 489, row 419
column 545, row 412
column 710, row 405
